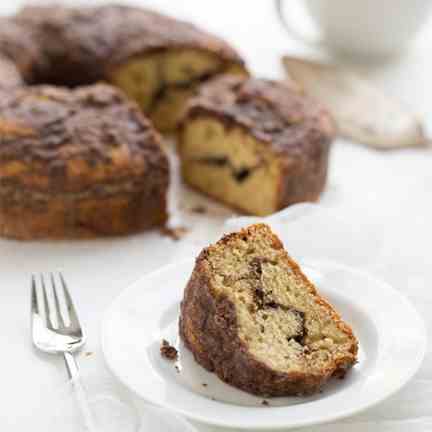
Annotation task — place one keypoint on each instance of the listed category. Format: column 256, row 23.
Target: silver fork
column 61, row 335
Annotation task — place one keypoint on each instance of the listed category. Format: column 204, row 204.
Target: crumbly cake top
column 63, row 138
column 274, row 112
column 92, row 39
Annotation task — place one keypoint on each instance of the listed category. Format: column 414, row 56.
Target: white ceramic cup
column 361, row 27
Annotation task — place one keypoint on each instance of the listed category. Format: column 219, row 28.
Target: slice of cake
column 255, row 145
column 250, row 315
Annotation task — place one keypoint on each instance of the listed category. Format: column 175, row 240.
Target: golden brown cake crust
column 61, row 217
column 75, row 162
column 295, row 127
column 74, row 139
column 208, row 327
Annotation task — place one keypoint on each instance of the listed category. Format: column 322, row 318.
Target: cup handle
column 296, row 33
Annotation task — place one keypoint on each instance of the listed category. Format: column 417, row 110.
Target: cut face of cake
column 163, row 82
column 250, row 315
column 255, row 145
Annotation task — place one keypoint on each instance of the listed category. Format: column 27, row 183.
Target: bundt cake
column 255, row 145
column 78, row 162
column 77, row 157
column 250, row 315
column 155, row 59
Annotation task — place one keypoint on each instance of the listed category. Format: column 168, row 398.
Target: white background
column 390, row 191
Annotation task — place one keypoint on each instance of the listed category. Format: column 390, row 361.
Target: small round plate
column 392, row 340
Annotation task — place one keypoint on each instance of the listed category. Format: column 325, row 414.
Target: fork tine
column 49, row 322
column 34, row 300
column 73, row 317
column 59, row 315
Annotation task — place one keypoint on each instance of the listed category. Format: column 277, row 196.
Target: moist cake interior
column 229, row 164
column 162, row 82
column 279, row 317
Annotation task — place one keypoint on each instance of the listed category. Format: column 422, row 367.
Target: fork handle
column 71, row 365
column 80, row 393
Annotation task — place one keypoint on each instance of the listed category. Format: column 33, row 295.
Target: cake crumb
column 168, row 351
column 199, row 209
column 176, row 233
column 265, row 403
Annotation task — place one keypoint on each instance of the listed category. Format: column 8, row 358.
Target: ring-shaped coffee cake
column 78, row 158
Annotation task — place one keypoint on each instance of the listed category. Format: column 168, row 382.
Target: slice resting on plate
column 251, row 316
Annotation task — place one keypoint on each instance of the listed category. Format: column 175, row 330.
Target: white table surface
column 391, row 191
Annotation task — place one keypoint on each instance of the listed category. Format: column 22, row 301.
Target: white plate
column 392, row 345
